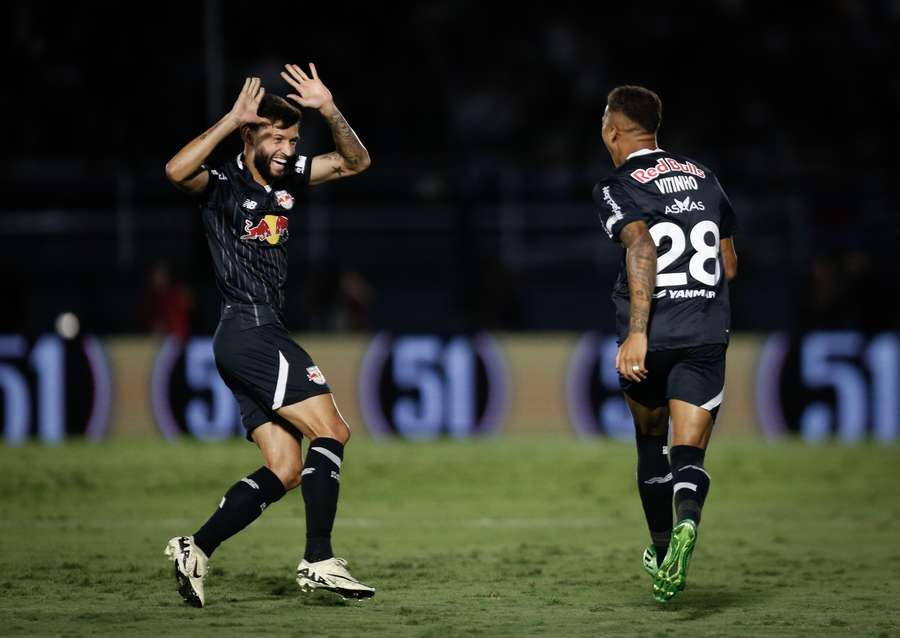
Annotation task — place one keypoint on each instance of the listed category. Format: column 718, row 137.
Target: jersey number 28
column 703, row 252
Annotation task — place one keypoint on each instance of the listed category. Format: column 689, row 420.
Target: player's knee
column 288, row 472
column 340, row 432
column 654, row 429
column 331, row 429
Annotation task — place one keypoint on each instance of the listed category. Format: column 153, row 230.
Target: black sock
column 240, row 506
column 654, row 481
column 691, row 482
column 320, row 484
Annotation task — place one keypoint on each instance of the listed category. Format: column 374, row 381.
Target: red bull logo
column 271, row 228
column 284, row 199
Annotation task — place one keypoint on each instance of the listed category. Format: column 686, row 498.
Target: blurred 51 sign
column 189, row 396
column 824, row 384
column 595, row 402
column 426, row 386
column 52, row 387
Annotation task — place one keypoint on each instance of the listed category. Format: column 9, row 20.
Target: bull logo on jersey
column 684, row 206
column 284, row 199
column 315, row 375
column 272, row 229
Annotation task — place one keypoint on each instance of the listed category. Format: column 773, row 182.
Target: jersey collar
column 240, row 164
column 637, row 153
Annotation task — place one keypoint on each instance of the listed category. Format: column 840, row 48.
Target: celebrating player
column 283, row 396
column 672, row 314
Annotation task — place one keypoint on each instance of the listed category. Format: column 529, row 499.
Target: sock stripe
column 250, row 482
column 697, row 467
column 684, row 485
column 331, row 456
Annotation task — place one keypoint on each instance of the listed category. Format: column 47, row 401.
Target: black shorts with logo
column 694, row 375
column 264, row 368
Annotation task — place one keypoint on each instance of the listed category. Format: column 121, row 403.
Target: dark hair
column 279, row 111
column 642, row 106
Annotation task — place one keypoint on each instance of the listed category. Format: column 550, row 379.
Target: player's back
column 687, row 214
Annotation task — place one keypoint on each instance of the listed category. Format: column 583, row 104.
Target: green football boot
column 671, row 576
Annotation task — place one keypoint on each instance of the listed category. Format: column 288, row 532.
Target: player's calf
column 691, row 482
column 654, row 480
column 242, row 504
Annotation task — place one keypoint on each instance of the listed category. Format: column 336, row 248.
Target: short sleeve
column 728, row 221
column 616, row 208
column 300, row 171
column 214, row 184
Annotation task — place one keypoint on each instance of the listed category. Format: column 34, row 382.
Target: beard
column 263, row 164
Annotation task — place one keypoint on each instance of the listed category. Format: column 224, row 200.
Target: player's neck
column 632, row 147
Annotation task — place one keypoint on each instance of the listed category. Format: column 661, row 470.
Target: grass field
column 511, row 537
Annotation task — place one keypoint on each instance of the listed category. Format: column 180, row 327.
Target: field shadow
column 321, row 599
column 702, row 601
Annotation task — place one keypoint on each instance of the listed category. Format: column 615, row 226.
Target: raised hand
column 311, row 93
column 244, row 109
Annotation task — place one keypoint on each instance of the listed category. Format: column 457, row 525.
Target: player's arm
column 729, row 257
column 350, row 157
column 186, row 170
column 640, row 263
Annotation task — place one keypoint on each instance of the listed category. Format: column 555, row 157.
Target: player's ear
column 248, row 134
column 613, row 134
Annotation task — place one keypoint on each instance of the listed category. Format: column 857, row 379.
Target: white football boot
column 331, row 575
column 191, row 567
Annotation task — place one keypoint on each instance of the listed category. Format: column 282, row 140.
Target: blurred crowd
column 484, row 130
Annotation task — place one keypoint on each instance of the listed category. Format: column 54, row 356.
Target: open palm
column 311, row 93
column 247, row 103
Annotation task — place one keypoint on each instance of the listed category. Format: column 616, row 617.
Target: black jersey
column 687, row 213
column 246, row 228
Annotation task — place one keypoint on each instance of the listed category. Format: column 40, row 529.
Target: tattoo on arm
column 640, row 261
column 349, row 147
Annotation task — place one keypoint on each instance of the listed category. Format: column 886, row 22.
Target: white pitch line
column 299, row 522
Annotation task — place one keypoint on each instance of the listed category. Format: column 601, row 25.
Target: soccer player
column 676, row 224
column 246, row 204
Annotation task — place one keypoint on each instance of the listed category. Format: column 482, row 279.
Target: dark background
column 484, row 128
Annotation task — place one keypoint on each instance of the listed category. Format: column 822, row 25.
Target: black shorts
column 694, row 375
column 265, row 369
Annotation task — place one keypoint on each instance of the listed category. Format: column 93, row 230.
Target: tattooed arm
column 350, row 156
column 185, row 169
column 640, row 261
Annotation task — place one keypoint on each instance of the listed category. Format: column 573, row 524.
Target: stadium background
column 460, row 287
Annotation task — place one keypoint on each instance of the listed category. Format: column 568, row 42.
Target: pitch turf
column 509, row 537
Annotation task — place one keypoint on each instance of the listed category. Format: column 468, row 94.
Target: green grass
column 508, row 537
